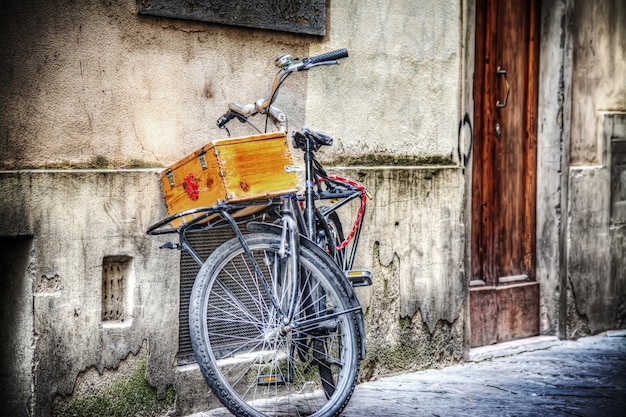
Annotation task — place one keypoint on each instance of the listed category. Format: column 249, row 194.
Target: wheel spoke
column 249, row 356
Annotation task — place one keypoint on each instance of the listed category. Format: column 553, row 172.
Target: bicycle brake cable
column 272, row 98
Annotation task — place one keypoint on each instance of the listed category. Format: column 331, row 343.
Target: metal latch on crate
column 202, row 159
column 170, row 177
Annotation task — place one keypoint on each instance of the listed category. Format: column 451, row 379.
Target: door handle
column 500, row 71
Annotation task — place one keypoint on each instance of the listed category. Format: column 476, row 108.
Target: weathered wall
column 93, row 84
column 396, row 101
column 413, row 309
column 553, row 127
column 77, row 219
column 16, row 329
column 597, row 231
column 596, row 277
column 95, row 79
column 598, row 82
column 399, row 92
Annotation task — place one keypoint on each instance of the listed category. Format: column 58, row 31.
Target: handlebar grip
column 228, row 116
column 328, row 56
column 225, row 118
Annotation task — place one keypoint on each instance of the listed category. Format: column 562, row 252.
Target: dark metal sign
column 299, row 16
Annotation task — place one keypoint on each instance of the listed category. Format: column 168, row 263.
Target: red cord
column 359, row 216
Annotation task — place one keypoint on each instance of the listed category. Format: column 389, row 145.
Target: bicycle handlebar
column 328, row 56
column 287, row 65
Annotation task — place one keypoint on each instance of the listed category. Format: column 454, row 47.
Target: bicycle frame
column 291, row 278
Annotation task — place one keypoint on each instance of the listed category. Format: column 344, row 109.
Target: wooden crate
column 230, row 170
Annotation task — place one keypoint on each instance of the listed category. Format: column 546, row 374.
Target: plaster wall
column 93, row 84
column 77, row 219
column 596, row 281
column 397, row 101
column 413, row 242
column 553, row 127
column 100, row 80
column 88, row 80
column 596, row 298
column 399, row 92
column 80, row 217
column 16, row 330
column 598, row 82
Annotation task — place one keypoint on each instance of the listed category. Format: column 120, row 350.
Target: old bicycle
column 274, row 321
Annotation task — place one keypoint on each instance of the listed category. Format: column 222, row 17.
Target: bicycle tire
column 256, row 367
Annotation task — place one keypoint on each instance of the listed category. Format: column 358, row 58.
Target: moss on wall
column 415, row 348
column 130, row 396
column 390, row 160
column 97, row 162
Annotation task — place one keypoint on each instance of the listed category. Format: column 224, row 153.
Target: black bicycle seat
column 315, row 137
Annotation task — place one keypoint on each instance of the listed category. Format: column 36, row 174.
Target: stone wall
column 596, row 281
column 91, row 92
column 82, row 224
column 413, row 242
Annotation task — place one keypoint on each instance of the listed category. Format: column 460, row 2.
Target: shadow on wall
column 16, row 324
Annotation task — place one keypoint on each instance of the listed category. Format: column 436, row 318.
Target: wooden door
column 503, row 291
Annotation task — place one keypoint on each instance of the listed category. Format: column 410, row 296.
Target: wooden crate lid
column 222, row 142
column 234, row 141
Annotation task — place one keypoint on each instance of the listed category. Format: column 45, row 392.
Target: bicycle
column 275, row 324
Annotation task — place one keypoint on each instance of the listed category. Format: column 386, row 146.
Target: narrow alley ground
column 537, row 377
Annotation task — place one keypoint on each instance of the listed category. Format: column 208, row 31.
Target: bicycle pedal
column 270, row 380
column 359, row 277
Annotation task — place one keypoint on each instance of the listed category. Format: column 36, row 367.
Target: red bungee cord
column 359, row 217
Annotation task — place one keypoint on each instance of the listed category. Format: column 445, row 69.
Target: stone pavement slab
column 586, row 377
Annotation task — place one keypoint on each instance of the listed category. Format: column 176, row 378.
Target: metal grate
column 204, row 242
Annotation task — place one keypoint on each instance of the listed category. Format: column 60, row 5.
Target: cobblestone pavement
column 536, row 377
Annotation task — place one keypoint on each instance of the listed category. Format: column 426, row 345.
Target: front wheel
column 257, row 362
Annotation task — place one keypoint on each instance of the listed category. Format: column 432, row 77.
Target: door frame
column 554, row 106
column 483, row 265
